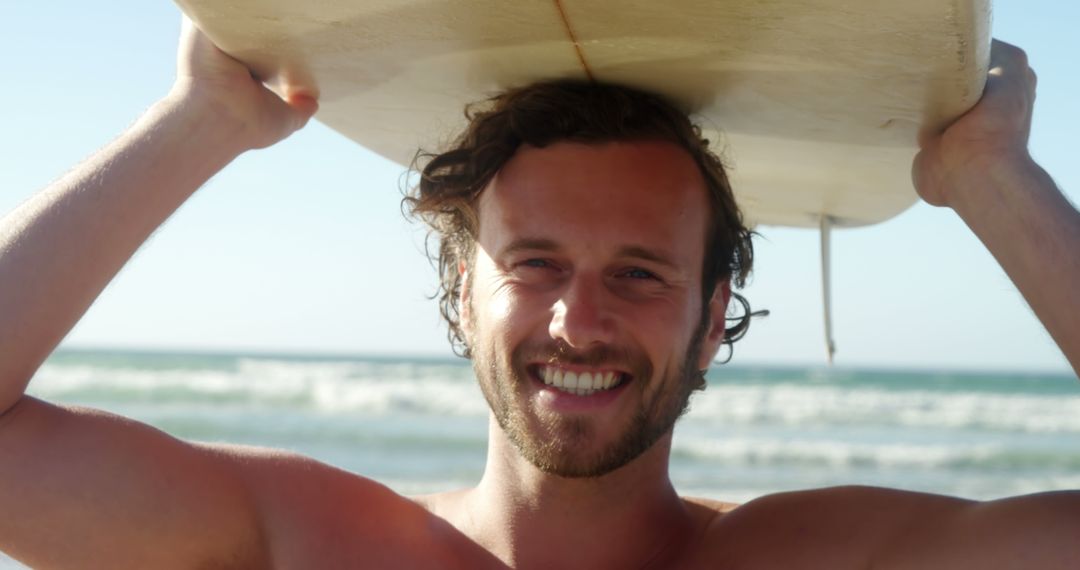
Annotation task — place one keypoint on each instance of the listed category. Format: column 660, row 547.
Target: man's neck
column 626, row 519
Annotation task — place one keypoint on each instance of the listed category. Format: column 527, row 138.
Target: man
column 605, row 277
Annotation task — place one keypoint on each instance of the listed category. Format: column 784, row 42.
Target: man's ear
column 717, row 324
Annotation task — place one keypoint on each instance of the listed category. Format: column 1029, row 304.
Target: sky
column 302, row 247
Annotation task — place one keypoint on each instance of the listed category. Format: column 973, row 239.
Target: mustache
column 600, row 356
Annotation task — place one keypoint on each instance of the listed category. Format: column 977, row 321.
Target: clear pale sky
column 302, row 247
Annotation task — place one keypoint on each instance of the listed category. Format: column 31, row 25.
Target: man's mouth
column 580, row 383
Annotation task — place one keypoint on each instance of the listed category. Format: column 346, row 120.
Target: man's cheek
column 500, row 308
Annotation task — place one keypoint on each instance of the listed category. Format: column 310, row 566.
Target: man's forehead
column 642, row 170
column 642, row 194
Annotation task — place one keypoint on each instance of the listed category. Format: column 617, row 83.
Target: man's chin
column 573, row 449
column 575, row 466
column 579, row 466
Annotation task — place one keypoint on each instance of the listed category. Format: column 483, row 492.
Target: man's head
column 584, row 230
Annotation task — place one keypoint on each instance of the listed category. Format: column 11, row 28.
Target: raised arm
column 63, row 246
column 981, row 168
column 80, row 487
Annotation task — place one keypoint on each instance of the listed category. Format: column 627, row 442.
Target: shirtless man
column 604, row 274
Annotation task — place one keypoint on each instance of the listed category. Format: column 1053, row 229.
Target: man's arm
column 80, row 487
column 981, row 168
column 63, row 246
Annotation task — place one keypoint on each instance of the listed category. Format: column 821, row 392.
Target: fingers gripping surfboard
column 816, row 106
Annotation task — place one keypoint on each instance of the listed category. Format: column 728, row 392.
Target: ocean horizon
column 419, row 424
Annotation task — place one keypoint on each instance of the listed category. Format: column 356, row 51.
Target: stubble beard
column 555, row 445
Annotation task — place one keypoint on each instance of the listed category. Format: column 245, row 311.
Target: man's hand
column 980, row 167
column 264, row 117
column 995, row 130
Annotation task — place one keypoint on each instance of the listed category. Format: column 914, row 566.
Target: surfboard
column 816, row 106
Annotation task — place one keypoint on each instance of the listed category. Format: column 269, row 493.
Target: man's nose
column 581, row 314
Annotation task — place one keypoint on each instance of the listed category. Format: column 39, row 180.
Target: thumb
column 917, row 166
column 286, row 116
column 302, row 108
column 926, row 176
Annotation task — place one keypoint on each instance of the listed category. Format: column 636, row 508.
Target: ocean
column 420, row 425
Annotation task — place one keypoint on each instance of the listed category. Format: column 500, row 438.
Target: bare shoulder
column 445, row 505
column 147, row 496
column 288, row 486
column 155, row 501
column 861, row 527
column 318, row 515
column 1028, row 531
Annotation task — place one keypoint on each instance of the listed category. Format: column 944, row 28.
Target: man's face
column 588, row 269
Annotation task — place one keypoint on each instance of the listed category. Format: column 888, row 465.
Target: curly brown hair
column 566, row 110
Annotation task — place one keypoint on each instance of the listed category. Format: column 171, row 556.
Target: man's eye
column 638, row 273
column 536, row 263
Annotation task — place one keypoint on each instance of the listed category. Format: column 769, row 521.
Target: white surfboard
column 819, row 103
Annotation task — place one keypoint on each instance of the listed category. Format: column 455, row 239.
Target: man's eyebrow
column 656, row 257
column 631, row 251
column 529, row 243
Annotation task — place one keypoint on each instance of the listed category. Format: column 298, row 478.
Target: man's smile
column 571, row 389
column 580, row 383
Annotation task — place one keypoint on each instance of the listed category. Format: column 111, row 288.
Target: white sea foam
column 830, row 405
column 833, row 454
column 331, row 387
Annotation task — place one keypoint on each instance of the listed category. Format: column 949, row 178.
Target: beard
column 564, row 445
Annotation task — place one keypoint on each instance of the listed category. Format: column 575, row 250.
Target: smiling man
column 588, row 243
column 587, row 260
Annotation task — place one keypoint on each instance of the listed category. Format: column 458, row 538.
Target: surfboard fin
column 826, row 285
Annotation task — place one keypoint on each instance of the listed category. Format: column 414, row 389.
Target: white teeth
column 580, row 384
